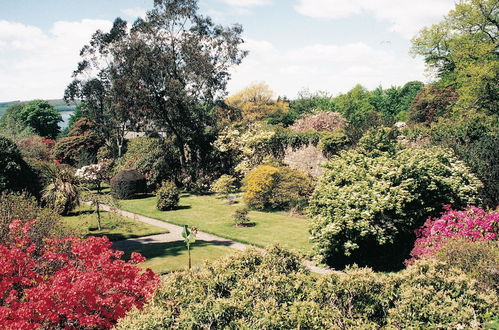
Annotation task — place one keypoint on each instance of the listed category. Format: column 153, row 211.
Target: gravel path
column 175, row 234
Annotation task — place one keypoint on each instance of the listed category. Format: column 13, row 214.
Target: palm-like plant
column 63, row 195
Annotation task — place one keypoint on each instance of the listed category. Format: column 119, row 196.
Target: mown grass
column 172, row 256
column 84, row 221
column 214, row 215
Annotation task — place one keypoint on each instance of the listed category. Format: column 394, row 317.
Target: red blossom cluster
column 68, row 283
column 473, row 224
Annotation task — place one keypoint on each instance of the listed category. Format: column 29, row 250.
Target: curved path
column 176, row 231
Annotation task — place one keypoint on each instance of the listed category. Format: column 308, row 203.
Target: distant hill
column 59, row 104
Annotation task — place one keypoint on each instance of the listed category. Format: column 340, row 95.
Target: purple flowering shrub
column 472, row 225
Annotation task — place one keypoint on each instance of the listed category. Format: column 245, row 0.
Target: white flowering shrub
column 94, row 174
column 367, row 204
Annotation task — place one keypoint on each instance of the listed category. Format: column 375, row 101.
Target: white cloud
column 37, row 64
column 134, row 12
column 332, row 67
column 406, row 17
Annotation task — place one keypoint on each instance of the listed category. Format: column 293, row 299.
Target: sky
column 294, row 45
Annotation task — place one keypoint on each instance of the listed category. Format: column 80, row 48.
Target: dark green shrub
column 368, row 203
column 127, row 183
column 241, row 216
column 270, row 187
column 15, row 173
column 168, row 196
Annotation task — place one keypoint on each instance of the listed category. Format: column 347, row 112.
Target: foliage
column 70, row 283
column 474, row 138
column 127, row 183
column 394, row 102
column 168, row 196
column 367, row 204
column 256, row 102
column 432, row 102
column 80, row 147
column 241, row 216
column 478, row 259
column 308, row 102
column 319, row 121
column 36, row 147
column 189, row 236
column 95, row 174
column 181, row 61
column 269, row 187
column 224, row 185
column 432, row 294
column 63, row 195
column 462, row 50
column 272, row 290
column 156, row 158
column 37, row 115
column 44, row 172
column 22, row 207
column 473, row 224
column 15, row 174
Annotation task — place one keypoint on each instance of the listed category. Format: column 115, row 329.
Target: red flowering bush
column 471, row 225
column 68, row 283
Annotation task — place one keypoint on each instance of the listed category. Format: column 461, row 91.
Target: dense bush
column 368, row 203
column 15, row 174
column 168, row 196
column 156, row 158
column 36, row 147
column 44, row 172
column 478, row 259
column 432, row 102
column 273, row 291
column 25, row 209
column 224, row 185
column 62, row 195
column 434, row 295
column 270, row 187
column 127, row 183
column 67, row 283
column 470, row 225
column 80, row 147
column 319, row 121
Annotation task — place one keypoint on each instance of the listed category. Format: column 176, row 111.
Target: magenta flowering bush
column 473, row 224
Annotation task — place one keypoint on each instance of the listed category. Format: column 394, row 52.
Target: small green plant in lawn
column 168, row 196
column 241, row 217
column 189, row 236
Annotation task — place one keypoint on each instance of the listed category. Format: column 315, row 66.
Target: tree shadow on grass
column 171, row 249
column 78, row 213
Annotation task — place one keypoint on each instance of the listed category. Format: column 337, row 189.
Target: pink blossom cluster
column 473, row 224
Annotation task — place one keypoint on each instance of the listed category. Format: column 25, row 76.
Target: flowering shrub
column 473, row 224
column 36, row 147
column 319, row 121
column 95, row 173
column 69, row 283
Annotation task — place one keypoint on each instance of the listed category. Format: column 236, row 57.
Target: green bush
column 224, row 185
column 479, row 260
column 25, row 208
column 127, row 183
column 368, row 203
column 241, row 216
column 63, row 194
column 270, row 187
column 434, row 295
column 168, row 196
column 156, row 158
column 272, row 290
column 15, row 174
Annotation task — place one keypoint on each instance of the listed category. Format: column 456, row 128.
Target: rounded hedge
column 127, row 183
column 168, row 196
column 368, row 204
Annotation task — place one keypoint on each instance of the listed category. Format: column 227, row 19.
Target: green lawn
column 213, row 215
column 115, row 227
column 168, row 257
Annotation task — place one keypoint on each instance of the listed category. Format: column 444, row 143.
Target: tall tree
column 463, row 50
column 174, row 66
column 94, row 84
